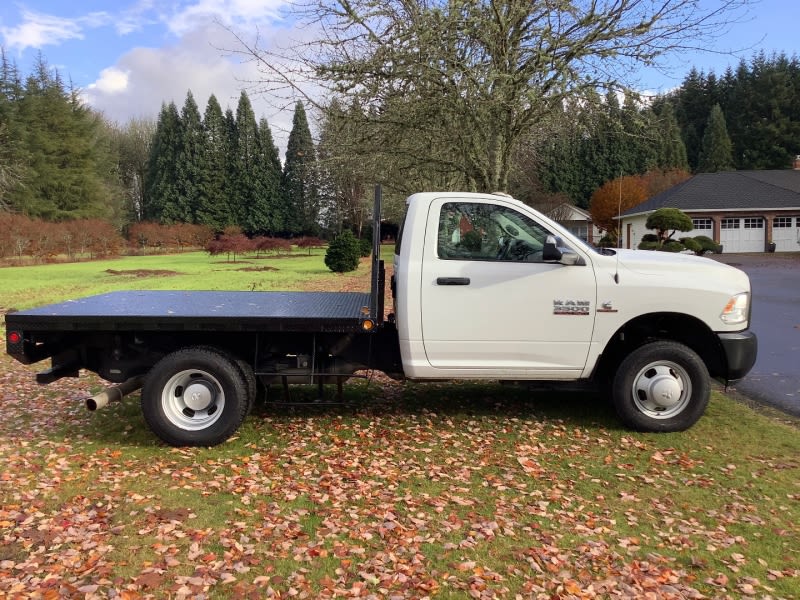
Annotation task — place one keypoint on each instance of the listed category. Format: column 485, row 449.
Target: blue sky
column 130, row 55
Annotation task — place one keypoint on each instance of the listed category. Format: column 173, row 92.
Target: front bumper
column 740, row 351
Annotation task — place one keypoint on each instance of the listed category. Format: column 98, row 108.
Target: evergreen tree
column 162, row 192
column 573, row 157
column 189, row 166
column 266, row 215
column 761, row 102
column 343, row 253
column 611, row 160
column 66, row 149
column 671, row 152
column 774, row 126
column 300, row 190
column 12, row 168
column 715, row 154
column 642, row 137
column 245, row 152
column 693, row 107
column 213, row 201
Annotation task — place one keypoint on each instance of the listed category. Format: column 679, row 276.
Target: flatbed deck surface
column 199, row 310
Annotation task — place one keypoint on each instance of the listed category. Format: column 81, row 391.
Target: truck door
column 491, row 303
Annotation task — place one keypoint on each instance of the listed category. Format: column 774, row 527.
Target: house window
column 754, row 223
column 580, row 230
column 780, row 222
column 702, row 223
column 730, row 224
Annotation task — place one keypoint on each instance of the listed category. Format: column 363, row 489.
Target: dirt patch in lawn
column 143, row 272
column 258, row 269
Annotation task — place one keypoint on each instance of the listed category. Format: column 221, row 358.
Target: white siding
column 637, row 230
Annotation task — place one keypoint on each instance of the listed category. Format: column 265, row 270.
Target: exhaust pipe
column 114, row 393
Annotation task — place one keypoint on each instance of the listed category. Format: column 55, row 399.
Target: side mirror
column 550, row 252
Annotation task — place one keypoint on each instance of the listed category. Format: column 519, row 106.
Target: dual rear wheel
column 197, row 396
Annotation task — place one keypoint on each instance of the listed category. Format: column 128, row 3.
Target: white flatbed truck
column 484, row 288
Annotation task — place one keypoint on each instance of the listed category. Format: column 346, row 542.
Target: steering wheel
column 510, row 230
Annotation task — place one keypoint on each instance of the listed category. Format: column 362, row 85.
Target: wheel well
column 681, row 328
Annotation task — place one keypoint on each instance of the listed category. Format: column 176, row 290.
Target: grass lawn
column 23, row 287
column 406, row 491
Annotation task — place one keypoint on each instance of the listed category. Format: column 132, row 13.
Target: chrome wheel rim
column 662, row 389
column 193, row 400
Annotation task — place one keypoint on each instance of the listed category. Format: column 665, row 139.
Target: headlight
column 736, row 310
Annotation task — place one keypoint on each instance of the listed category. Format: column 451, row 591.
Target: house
column 577, row 221
column 741, row 210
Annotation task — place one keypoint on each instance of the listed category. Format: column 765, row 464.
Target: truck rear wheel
column 661, row 386
column 195, row 397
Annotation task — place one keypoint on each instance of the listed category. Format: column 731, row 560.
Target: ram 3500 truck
column 484, row 287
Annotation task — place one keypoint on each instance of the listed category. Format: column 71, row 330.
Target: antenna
column 619, row 228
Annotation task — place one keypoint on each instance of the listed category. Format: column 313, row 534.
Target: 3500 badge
column 571, row 307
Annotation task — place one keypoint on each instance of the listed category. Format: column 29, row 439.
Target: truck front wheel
column 661, row 386
column 195, row 397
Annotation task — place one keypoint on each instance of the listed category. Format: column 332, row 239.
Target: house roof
column 569, row 212
column 730, row 190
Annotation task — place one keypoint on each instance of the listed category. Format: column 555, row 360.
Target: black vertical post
column 377, row 282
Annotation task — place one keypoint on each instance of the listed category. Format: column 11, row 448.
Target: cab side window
column 489, row 232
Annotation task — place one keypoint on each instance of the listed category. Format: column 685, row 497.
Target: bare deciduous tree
column 448, row 88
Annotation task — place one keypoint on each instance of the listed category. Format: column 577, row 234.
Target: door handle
column 452, row 281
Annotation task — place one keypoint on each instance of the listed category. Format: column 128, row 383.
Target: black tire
column 251, row 382
column 661, row 386
column 244, row 368
column 214, row 407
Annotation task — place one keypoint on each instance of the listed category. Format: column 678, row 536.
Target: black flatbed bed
column 200, row 311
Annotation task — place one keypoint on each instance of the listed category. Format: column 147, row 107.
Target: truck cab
column 488, row 288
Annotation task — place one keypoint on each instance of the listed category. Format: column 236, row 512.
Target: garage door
column 742, row 234
column 786, row 233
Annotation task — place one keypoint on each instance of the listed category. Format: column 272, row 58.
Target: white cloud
column 112, row 81
column 194, row 62
column 38, row 30
column 227, row 12
column 135, row 18
column 201, row 55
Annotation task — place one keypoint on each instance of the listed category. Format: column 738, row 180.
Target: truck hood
column 648, row 262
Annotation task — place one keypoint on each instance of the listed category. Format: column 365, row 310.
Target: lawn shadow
column 122, row 423
column 462, row 400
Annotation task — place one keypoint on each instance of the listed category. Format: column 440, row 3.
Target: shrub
column 643, row 245
column 365, row 246
column 271, row 244
column 692, row 244
column 664, row 219
column 649, row 237
column 309, row 242
column 706, row 245
column 607, row 241
column 672, row 246
column 343, row 253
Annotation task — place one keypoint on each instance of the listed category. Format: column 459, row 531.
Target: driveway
column 775, row 378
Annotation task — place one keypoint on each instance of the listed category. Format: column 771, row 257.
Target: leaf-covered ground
column 406, row 491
